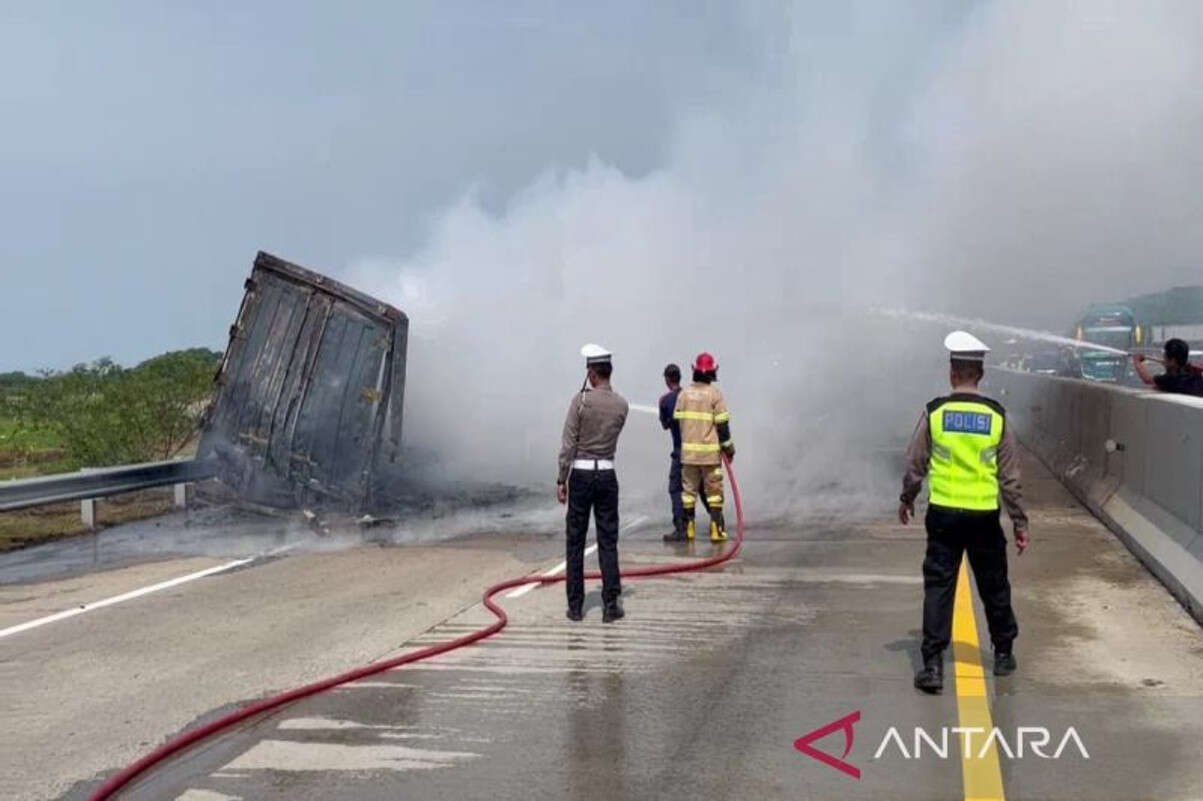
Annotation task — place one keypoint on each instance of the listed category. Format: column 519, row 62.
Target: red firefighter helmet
column 705, row 363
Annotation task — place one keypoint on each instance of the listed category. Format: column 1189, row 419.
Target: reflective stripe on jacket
column 703, row 415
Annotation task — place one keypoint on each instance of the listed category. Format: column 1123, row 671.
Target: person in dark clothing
column 668, row 402
column 1180, row 376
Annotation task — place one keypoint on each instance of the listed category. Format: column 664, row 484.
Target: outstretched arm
column 1142, row 369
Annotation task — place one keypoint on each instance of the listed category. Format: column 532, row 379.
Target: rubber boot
column 931, row 678
column 678, row 534
column 718, row 527
column 691, row 530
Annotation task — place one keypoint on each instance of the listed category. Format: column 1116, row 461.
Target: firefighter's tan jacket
column 704, row 419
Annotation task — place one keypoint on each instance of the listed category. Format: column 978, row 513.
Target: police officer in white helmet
column 964, row 445
column 587, row 482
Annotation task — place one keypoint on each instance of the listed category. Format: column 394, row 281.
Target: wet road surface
column 703, row 689
column 83, row 695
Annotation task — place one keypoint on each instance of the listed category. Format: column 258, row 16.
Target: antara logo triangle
column 845, row 724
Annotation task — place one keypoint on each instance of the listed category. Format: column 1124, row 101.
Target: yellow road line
column 979, row 769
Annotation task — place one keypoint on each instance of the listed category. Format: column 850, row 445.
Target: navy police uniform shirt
column 668, row 404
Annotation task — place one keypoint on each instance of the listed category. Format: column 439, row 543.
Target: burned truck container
column 307, row 411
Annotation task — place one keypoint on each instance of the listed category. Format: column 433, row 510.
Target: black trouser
column 951, row 532
column 596, row 490
column 675, row 487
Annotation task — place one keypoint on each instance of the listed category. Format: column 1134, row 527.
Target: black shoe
column 575, row 614
column 612, row 611
column 931, row 678
column 1004, row 663
column 678, row 534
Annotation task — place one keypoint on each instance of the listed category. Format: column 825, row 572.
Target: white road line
column 639, row 407
column 562, row 566
column 126, row 596
column 555, row 571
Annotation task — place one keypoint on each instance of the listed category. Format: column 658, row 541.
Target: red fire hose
column 119, row 780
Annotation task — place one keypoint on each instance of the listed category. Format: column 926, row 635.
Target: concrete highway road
column 701, row 692
column 84, row 695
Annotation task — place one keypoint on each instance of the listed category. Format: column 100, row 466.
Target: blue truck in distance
column 1114, row 326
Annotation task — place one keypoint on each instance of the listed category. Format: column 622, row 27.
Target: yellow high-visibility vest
column 965, row 433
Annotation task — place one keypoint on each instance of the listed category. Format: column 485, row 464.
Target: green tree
column 15, row 380
column 105, row 414
column 167, row 396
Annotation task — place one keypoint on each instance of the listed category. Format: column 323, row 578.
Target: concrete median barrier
column 1134, row 458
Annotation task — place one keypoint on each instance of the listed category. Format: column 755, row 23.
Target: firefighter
column 587, row 482
column 962, row 441
column 702, row 414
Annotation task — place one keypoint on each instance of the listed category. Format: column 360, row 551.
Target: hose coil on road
column 119, row 780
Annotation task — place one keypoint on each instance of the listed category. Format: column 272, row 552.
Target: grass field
column 98, row 414
column 27, row 453
column 15, row 436
column 44, row 523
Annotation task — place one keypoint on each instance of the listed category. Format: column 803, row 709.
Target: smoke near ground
column 1012, row 161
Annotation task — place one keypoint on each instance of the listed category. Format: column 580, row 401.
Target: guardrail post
column 87, row 506
column 87, row 513
column 180, row 496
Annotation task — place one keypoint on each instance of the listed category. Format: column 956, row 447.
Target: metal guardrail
column 27, row 492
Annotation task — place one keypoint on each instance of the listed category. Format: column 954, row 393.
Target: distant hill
column 199, row 354
column 1182, row 305
column 15, row 379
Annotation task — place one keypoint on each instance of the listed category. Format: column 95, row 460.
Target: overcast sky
column 1017, row 159
column 149, row 149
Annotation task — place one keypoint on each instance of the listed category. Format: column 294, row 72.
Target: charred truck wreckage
column 309, row 394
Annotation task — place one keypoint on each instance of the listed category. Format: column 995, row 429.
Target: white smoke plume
column 1014, row 161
